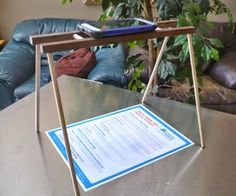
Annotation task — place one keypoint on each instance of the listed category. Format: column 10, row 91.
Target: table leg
column 37, row 86
column 154, row 71
column 63, row 123
column 195, row 85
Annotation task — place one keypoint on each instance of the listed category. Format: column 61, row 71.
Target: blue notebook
column 116, row 27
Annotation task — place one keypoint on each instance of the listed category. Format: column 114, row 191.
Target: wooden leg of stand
column 37, row 86
column 63, row 124
column 154, row 71
column 195, row 85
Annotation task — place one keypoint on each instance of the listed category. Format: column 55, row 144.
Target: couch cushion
column 24, row 29
column 224, row 71
column 16, row 63
column 29, row 85
column 110, row 66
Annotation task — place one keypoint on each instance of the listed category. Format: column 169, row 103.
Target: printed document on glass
column 114, row 144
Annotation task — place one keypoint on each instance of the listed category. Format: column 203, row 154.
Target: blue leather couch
column 17, row 65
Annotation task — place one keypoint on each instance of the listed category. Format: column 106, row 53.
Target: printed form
column 112, row 145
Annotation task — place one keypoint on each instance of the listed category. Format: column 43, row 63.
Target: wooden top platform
column 65, row 41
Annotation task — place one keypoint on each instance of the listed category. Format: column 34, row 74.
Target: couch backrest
column 26, row 28
column 17, row 57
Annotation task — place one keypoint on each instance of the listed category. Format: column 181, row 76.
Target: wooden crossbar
column 89, row 41
column 46, row 38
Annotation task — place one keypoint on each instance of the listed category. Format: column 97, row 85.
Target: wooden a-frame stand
column 66, row 41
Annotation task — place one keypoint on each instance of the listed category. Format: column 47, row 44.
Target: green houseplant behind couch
column 17, row 60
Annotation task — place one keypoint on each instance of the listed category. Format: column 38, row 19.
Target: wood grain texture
column 45, row 38
column 89, row 41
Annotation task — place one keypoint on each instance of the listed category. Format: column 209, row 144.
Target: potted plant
column 187, row 13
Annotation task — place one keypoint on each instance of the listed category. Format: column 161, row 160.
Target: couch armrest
column 16, row 63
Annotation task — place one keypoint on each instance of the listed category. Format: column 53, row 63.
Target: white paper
column 114, row 144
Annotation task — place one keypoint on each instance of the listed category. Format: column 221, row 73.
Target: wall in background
column 232, row 5
column 12, row 12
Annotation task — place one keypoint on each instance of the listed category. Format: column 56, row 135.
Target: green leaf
column 205, row 5
column 107, row 13
column 216, row 43
column 182, row 74
column 168, row 9
column 137, row 62
column 197, row 42
column 182, row 21
column 63, row 1
column 139, row 42
column 139, row 83
column 131, row 60
column 130, row 84
column 135, row 74
column 206, row 53
column 179, row 40
column 161, row 69
column 119, row 10
column 134, row 88
column 155, row 89
column 132, row 44
column 66, row 1
column 170, row 68
column 105, row 4
column 141, row 66
column 183, row 55
column 103, row 17
column 214, row 54
column 165, row 69
column 116, row 2
column 192, row 8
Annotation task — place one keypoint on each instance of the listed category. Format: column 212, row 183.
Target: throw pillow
column 79, row 63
